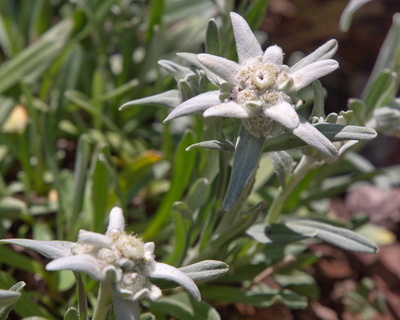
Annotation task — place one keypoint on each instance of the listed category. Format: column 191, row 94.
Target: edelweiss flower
column 117, row 259
column 260, row 90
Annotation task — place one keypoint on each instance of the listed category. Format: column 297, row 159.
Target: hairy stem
column 304, row 166
column 103, row 301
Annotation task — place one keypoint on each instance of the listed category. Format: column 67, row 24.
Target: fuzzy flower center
column 261, row 85
column 126, row 255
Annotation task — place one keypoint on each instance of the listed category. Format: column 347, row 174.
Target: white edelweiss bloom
column 260, row 90
column 123, row 260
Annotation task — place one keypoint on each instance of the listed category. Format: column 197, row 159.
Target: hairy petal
column 273, row 54
column 224, row 68
column 94, row 238
column 325, row 51
column 116, row 220
column 309, row 134
column 283, row 113
column 164, row 271
column 195, row 105
column 312, row 72
column 228, row 110
column 82, row 263
column 247, row 45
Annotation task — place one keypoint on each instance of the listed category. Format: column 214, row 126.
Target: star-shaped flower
column 260, row 90
column 121, row 261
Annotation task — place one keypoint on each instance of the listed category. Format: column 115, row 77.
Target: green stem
column 304, row 166
column 103, row 301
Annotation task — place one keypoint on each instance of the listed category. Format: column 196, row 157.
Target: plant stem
column 304, row 166
column 103, row 301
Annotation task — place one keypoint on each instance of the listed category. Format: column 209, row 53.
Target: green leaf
column 205, row 270
column 256, row 14
column 182, row 171
column 28, row 64
column 182, row 220
column 7, row 106
column 347, row 15
column 358, row 107
column 245, row 162
column 100, row 185
column 11, row 207
column 283, row 164
column 198, row 194
column 341, row 237
column 260, row 296
column 155, row 16
column 299, row 282
column 318, row 107
column 27, row 305
column 71, row 314
column 180, row 306
column 212, row 43
column 381, row 91
column 389, row 55
column 80, row 177
column 220, row 145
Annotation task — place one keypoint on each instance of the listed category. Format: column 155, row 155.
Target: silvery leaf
column 192, row 59
column 51, row 249
column 221, row 145
column 177, row 71
column 204, row 270
column 245, row 162
column 387, row 120
column 169, row 99
column 195, row 105
column 276, row 233
column 8, row 298
column 341, row 237
column 334, row 132
column 186, row 90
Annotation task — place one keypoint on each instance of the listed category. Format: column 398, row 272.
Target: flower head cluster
column 121, row 259
column 260, row 90
column 123, row 262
